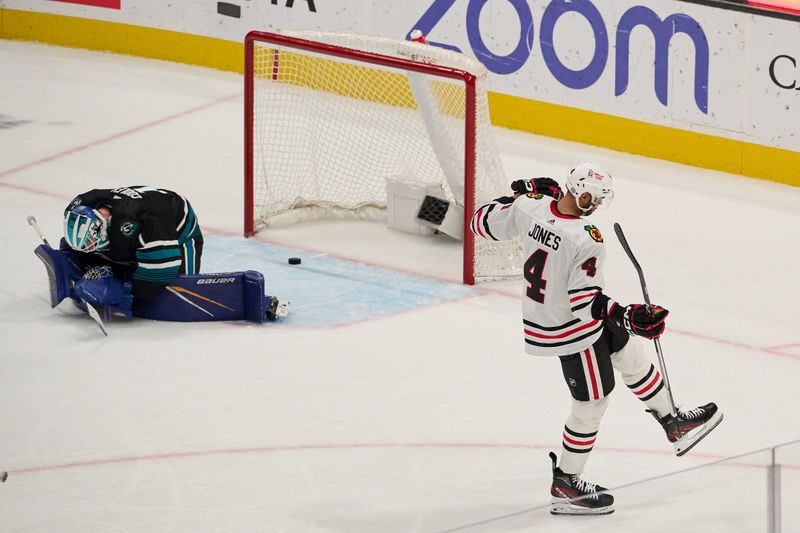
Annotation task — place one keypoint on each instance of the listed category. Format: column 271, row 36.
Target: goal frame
column 470, row 91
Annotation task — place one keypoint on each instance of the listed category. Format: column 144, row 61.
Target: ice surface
column 393, row 399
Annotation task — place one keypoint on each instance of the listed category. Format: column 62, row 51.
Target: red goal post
column 342, row 76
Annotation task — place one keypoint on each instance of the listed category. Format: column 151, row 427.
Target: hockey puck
column 3, row 476
column 294, row 260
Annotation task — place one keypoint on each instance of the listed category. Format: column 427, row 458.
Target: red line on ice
column 314, row 447
column 4, row 174
column 771, row 351
column 479, row 290
column 36, row 191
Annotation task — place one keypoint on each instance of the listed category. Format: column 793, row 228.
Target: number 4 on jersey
column 590, row 266
column 534, row 268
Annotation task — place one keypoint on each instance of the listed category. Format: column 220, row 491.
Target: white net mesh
column 329, row 132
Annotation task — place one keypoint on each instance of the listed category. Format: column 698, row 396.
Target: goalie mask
column 85, row 229
column 593, row 179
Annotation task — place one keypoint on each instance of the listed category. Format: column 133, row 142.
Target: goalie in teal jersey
column 136, row 251
column 148, row 235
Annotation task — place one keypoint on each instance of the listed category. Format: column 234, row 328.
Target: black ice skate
column 692, row 426
column 572, row 495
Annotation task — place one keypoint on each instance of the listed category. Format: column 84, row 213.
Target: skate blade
column 693, row 438
column 564, row 506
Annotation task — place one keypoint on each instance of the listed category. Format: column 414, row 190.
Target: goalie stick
column 686, row 441
column 37, row 229
column 95, row 316
column 89, row 309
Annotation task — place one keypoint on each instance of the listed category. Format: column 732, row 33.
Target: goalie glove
column 101, row 289
column 545, row 186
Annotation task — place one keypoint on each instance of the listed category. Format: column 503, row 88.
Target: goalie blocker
column 191, row 298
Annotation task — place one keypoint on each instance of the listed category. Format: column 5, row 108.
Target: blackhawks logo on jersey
column 535, row 196
column 594, row 233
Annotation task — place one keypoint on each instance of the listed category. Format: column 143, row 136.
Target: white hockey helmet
column 85, row 229
column 594, row 179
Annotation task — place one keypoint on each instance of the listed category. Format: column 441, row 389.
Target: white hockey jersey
column 563, row 271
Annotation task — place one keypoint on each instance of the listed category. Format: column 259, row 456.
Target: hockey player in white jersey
column 567, row 314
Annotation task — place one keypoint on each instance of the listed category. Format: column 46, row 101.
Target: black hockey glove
column 637, row 319
column 546, row 186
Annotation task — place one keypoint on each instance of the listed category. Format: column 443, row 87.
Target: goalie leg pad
column 64, row 268
column 256, row 304
column 209, row 297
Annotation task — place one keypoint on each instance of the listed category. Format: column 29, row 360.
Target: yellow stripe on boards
column 542, row 118
column 122, row 38
column 770, row 163
column 642, row 138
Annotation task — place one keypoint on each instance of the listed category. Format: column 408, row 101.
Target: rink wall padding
column 119, row 38
column 544, row 118
column 642, row 138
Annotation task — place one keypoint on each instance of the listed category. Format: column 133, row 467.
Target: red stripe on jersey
column 561, row 335
column 582, row 296
column 479, row 222
column 589, row 364
column 652, row 383
column 578, row 442
column 556, row 213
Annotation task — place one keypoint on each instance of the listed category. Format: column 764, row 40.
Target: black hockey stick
column 625, row 246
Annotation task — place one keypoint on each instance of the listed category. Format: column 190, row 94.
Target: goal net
column 362, row 126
